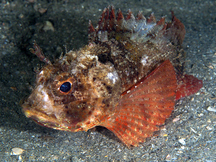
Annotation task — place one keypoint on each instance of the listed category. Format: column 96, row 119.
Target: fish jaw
column 44, row 113
column 42, row 109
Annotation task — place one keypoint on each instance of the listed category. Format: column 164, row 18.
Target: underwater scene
column 108, row 80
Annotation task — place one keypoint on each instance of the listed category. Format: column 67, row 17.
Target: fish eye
column 65, row 87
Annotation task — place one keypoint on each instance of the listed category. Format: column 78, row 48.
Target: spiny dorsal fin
column 175, row 30
column 133, row 29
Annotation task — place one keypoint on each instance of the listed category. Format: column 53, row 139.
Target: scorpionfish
column 126, row 79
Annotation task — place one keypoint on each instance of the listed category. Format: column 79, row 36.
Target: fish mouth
column 49, row 121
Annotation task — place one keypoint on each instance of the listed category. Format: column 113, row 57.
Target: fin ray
column 187, row 85
column 135, row 118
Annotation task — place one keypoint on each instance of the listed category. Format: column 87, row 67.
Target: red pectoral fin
column 187, row 85
column 145, row 106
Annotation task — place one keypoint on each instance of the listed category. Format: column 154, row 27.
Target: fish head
column 73, row 94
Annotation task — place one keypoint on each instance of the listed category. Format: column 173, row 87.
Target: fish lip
column 37, row 116
column 43, row 119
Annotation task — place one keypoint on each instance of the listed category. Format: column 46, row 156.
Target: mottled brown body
column 103, row 83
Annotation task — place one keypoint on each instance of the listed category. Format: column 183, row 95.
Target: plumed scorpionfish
column 126, row 79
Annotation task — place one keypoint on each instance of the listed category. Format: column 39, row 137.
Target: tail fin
column 145, row 106
column 187, row 85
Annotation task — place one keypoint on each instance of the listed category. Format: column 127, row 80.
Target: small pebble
column 182, row 141
column 210, row 67
column 208, row 121
column 17, row 151
column 209, row 128
column 180, row 152
column 193, row 130
column 42, row 10
column 200, row 115
column 177, row 118
column 211, row 109
column 48, row 26
column 168, row 157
